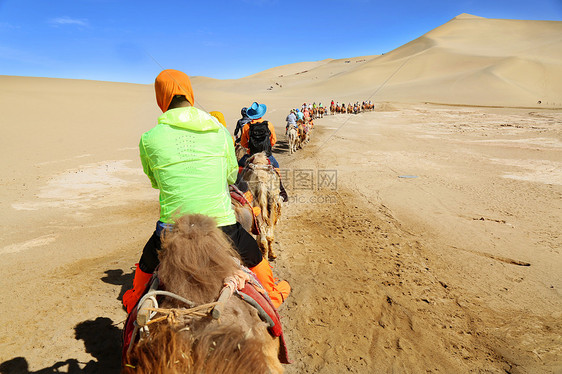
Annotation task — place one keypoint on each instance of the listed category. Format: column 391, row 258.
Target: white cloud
column 60, row 21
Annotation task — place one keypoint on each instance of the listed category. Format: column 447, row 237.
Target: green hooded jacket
column 189, row 156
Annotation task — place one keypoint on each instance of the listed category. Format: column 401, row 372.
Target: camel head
column 258, row 159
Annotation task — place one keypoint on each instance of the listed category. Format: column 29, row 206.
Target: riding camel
column 303, row 135
column 293, row 135
column 306, row 116
column 264, row 183
column 307, row 129
column 210, row 318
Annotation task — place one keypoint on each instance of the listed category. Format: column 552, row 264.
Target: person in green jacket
column 189, row 156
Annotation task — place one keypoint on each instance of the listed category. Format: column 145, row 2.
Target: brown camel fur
column 264, row 184
column 302, row 135
column 196, row 257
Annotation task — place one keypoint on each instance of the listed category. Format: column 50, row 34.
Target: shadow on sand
column 119, row 278
column 102, row 339
column 282, row 146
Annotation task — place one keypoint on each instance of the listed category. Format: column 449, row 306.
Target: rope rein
column 172, row 315
column 176, row 315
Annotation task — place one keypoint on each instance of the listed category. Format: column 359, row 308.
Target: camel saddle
column 242, row 198
column 255, row 293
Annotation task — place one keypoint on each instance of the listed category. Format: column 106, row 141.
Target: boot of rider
column 277, row 292
column 132, row 296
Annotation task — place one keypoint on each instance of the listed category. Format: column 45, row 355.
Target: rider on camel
column 300, row 116
column 189, row 157
column 259, row 136
column 241, row 123
column 291, row 120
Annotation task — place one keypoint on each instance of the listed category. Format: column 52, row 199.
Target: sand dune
column 469, row 60
column 453, row 269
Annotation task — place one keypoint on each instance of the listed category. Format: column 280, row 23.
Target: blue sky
column 131, row 41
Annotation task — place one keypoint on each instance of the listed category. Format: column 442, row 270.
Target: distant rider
column 291, row 120
column 241, row 123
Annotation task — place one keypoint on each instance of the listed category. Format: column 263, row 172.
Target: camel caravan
column 204, row 298
column 351, row 108
column 300, row 121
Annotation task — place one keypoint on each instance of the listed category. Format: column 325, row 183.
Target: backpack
column 259, row 135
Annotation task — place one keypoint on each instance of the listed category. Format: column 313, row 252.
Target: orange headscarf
column 219, row 116
column 169, row 83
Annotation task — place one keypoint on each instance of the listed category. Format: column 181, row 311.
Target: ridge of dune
column 469, row 60
column 516, row 63
column 289, row 69
column 468, row 16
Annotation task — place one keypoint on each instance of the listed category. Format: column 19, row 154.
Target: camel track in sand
column 365, row 297
column 369, row 295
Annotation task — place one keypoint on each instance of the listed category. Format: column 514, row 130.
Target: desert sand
column 421, row 237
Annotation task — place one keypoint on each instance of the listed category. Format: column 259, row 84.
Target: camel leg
column 270, row 239
column 262, row 241
column 275, row 212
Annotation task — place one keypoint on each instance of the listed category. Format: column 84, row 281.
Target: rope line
column 373, row 94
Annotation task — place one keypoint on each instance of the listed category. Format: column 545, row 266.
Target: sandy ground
column 417, row 261
column 417, row 238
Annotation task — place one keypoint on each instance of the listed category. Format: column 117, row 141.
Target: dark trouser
column 242, row 161
column 242, row 241
column 244, row 244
